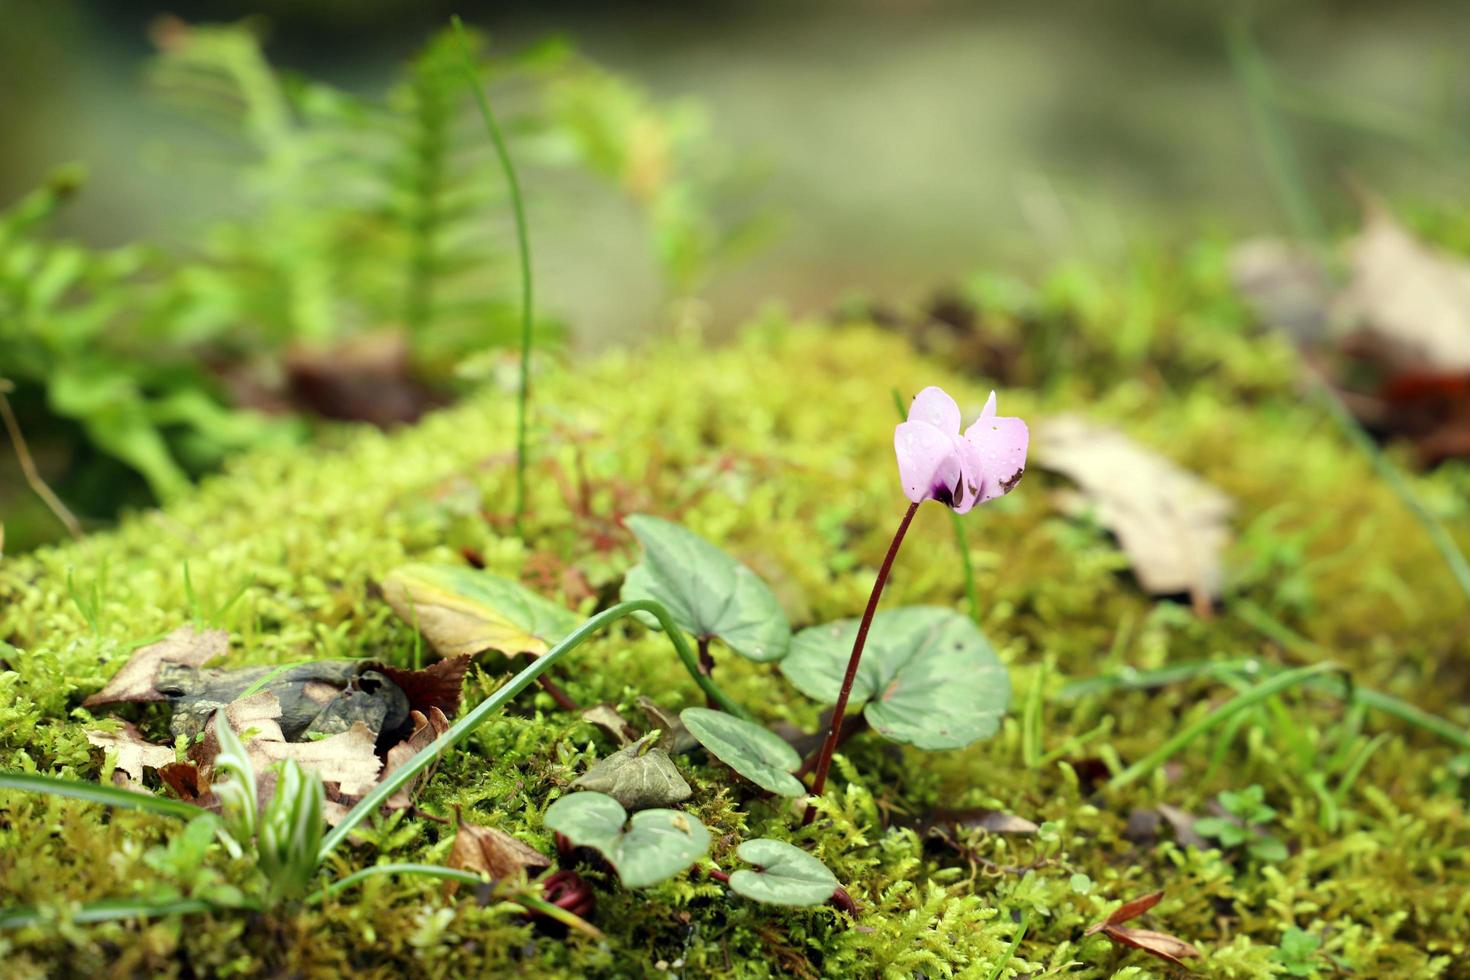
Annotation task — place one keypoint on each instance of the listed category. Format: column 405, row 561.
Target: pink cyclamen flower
column 936, row 462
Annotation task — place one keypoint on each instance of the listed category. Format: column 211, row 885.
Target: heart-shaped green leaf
column 467, row 611
column 760, row 756
column 707, row 592
column 653, row 846
column 784, row 875
column 638, row 776
column 929, row 676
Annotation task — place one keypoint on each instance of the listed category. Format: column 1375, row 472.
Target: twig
column 33, row 475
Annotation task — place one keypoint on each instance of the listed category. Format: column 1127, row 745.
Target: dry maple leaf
column 1166, row 947
column 1171, row 524
column 134, row 682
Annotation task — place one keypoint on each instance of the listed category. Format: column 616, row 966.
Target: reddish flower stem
column 706, row 666
column 824, row 761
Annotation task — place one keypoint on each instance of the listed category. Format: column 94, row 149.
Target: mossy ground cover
column 777, row 446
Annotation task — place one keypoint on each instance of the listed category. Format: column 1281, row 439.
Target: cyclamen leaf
column 785, row 875
column 762, row 757
column 707, row 592
column 466, row 611
column 929, row 676
column 655, row 845
column 637, row 776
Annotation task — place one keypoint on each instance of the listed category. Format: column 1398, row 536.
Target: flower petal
column 988, row 412
column 1001, row 442
column 926, row 459
column 934, row 406
column 966, row 490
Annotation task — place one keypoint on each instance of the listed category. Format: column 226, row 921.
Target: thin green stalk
column 1444, row 543
column 98, row 793
column 1279, row 155
column 1031, row 720
column 259, row 685
column 462, row 729
column 1404, row 711
column 114, row 909
column 1241, row 702
column 523, row 244
column 422, row 870
column 1005, row 957
column 531, row 902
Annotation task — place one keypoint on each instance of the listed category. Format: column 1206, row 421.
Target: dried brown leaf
column 1128, row 910
column 425, row 730
column 134, row 753
column 494, row 852
column 367, row 378
column 674, row 738
column 348, row 759
column 1166, row 947
column 1287, row 286
column 188, row 783
column 134, row 682
column 606, row 717
column 1412, row 299
column 1171, row 524
column 992, row 821
column 439, row 686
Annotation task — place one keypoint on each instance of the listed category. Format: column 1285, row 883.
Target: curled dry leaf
column 426, row 728
column 1286, row 286
column 991, row 821
column 638, row 777
column 1166, row 947
column 349, row 759
column 134, row 682
column 673, row 737
column 1171, row 524
column 606, row 717
column 1411, row 299
column 134, row 753
column 494, row 852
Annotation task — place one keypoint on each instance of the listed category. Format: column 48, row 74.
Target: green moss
column 778, row 447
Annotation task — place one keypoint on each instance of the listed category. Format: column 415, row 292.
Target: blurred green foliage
column 348, row 215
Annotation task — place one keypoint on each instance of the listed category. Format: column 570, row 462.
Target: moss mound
column 778, row 447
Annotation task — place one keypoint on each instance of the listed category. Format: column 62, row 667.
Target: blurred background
column 218, row 235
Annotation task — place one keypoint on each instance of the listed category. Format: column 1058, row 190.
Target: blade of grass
column 1241, row 702
column 568, row 919
column 97, row 793
column 1031, row 719
column 463, row 728
column 1277, row 152
column 523, row 245
column 114, row 909
column 1005, row 957
column 1443, row 542
column 259, row 685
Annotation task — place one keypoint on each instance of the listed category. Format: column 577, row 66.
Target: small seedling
column 1250, row 811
